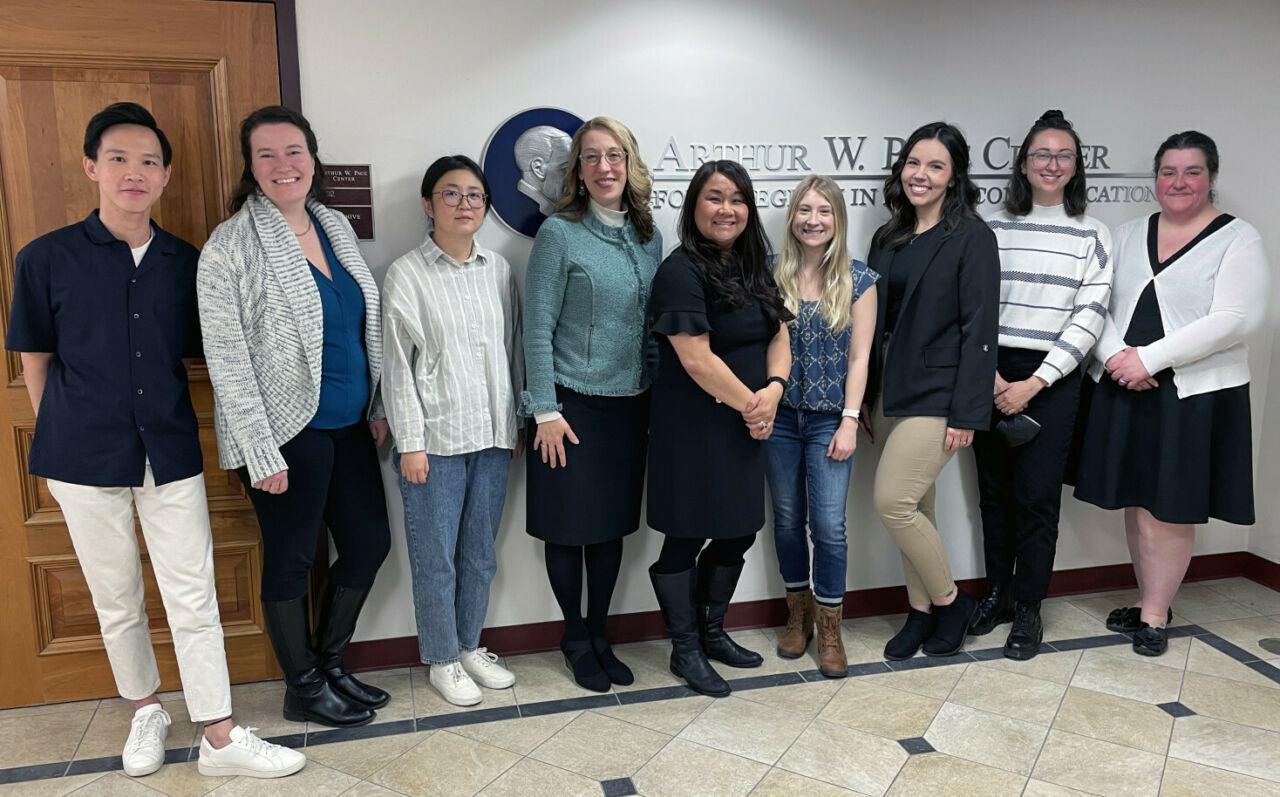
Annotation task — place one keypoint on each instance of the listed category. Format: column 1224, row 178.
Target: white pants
column 175, row 525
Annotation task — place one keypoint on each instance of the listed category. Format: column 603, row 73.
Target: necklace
column 304, row 232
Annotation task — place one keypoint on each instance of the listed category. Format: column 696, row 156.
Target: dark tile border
column 618, row 787
column 913, row 746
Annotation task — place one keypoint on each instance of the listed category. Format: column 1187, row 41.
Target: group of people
column 713, row 370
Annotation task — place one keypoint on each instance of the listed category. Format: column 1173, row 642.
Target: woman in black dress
column 724, row 357
column 1168, row 436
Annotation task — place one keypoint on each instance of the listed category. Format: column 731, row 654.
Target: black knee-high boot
column 338, row 617
column 308, row 695
column 677, row 595
column 716, row 584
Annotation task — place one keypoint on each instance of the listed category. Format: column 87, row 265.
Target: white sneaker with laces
column 453, row 684
column 248, row 755
column 144, row 749
column 484, row 669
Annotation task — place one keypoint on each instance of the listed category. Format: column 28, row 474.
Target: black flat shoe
column 1128, row 619
column 581, row 661
column 1150, row 641
column 618, row 672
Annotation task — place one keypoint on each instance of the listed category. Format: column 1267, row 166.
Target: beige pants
column 175, row 525
column 912, row 458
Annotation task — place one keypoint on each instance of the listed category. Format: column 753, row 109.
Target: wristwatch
column 777, row 379
column 847, row 413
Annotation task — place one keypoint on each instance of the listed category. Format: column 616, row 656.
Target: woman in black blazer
column 934, row 367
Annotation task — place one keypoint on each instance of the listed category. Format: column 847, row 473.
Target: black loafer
column 1150, row 641
column 1128, row 619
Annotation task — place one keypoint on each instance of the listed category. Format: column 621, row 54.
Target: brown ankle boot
column 832, row 661
column 795, row 637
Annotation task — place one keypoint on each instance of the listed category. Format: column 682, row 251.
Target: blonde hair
column 836, row 300
column 639, row 190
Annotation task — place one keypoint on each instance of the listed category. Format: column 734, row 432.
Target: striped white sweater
column 263, row 330
column 1055, row 283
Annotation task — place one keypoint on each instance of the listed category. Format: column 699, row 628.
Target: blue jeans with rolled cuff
column 451, row 526
column 809, row 487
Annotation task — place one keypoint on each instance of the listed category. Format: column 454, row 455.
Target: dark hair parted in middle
column 750, row 253
column 957, row 205
column 271, row 115
column 1074, row 200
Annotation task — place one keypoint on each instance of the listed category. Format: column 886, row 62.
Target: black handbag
column 1018, row 430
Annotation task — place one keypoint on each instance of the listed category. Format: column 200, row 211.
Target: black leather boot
column 951, row 624
column 677, row 593
column 1027, row 632
column 338, row 617
column 994, row 609
column 716, row 584
column 308, row 694
column 906, row 643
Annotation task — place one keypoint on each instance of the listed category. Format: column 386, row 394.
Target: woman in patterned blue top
column 815, row 432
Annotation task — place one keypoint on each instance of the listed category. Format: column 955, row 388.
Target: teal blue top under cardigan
column 585, row 311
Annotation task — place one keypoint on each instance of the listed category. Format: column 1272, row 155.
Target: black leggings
column 334, row 478
column 682, row 553
column 564, row 571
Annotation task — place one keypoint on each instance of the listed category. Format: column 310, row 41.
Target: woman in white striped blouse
column 1055, row 281
column 453, row 368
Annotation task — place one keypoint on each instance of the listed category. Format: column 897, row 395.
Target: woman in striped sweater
column 1054, row 287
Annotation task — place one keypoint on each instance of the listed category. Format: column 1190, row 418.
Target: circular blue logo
column 525, row 161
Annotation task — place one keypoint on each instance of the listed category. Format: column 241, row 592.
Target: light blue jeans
column 809, row 487
column 451, row 523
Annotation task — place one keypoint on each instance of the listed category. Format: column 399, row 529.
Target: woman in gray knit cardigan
column 293, row 339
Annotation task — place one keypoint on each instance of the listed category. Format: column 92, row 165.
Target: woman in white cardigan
column 1168, row 436
column 293, row 339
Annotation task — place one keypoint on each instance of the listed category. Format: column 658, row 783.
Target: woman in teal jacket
column 586, row 300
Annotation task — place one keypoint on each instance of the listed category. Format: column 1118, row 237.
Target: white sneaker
column 144, row 749
column 248, row 755
column 484, row 669
column 453, row 684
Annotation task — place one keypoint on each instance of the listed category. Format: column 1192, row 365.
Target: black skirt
column 1183, row 460
column 596, row 496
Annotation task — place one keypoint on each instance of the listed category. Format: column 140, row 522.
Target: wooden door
column 200, row 67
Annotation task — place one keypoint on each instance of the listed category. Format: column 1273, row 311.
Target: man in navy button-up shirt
column 103, row 313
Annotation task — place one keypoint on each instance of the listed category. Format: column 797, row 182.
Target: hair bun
column 1052, row 113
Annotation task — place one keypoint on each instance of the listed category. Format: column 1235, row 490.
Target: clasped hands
column 761, row 410
column 1126, row 368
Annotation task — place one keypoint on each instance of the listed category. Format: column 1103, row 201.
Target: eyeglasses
column 454, row 198
column 1042, row 157
column 613, row 157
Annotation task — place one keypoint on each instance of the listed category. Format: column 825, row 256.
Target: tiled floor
column 1086, row 716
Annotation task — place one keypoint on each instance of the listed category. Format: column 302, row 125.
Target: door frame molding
column 286, row 50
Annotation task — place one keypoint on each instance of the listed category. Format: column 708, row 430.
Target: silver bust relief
column 542, row 155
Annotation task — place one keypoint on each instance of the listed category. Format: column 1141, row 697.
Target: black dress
column 1185, row 460
column 706, row 473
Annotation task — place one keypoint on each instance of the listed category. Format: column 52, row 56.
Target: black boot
column 337, row 623
column 308, row 695
column 906, row 643
column 676, row 597
column 951, row 624
column 716, row 584
column 994, row 609
column 1027, row 632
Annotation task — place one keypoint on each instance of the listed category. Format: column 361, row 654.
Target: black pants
column 333, row 478
column 1020, row 488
